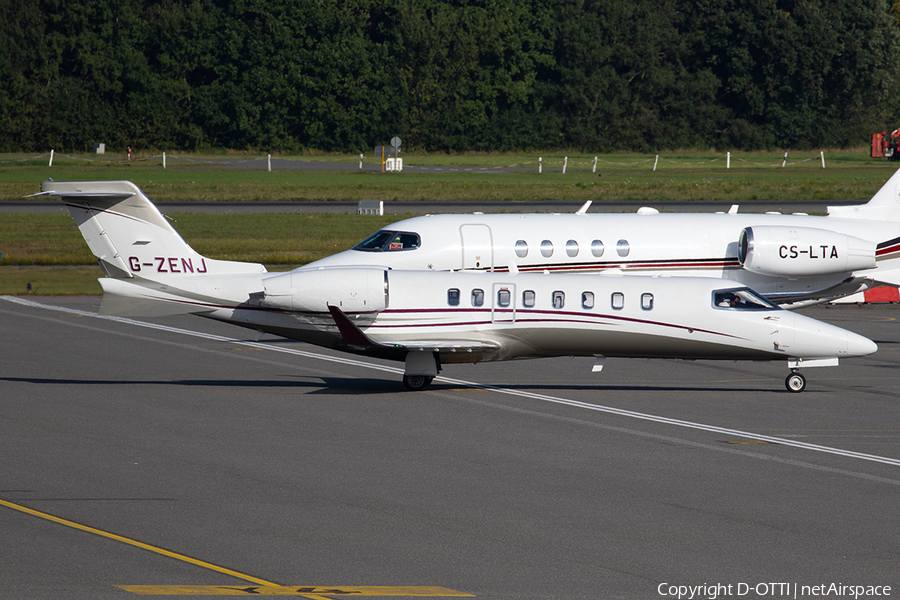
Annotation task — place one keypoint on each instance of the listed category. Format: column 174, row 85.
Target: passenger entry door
column 503, row 303
column 477, row 247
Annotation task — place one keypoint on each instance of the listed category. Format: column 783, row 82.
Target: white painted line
column 512, row 392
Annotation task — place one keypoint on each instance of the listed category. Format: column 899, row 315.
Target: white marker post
column 654, row 163
column 784, row 162
column 164, row 160
column 51, row 159
column 540, row 164
column 270, row 163
column 822, row 156
column 595, row 165
column 360, row 162
column 565, row 162
column 728, row 160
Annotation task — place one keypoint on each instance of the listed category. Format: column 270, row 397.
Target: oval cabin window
column 546, row 248
column 521, row 249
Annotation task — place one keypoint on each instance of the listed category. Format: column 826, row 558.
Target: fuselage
column 694, row 245
column 483, row 316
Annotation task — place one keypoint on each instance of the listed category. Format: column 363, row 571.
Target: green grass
column 269, row 238
column 50, row 281
column 679, row 176
column 47, row 250
column 61, row 281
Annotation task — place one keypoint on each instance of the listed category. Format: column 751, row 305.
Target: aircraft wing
column 354, row 336
column 447, row 346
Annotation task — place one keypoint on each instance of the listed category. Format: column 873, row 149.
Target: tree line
column 453, row 75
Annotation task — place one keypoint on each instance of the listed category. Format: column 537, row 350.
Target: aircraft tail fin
column 884, row 205
column 129, row 236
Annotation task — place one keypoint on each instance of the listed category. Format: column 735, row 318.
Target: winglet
column 584, row 208
column 350, row 333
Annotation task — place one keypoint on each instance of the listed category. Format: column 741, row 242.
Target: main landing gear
column 795, row 382
column 415, row 383
column 421, row 368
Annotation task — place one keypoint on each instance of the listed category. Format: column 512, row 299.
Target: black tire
column 795, row 383
column 416, row 383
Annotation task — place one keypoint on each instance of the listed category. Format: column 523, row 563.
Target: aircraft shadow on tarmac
column 347, row 385
column 182, row 382
column 316, row 385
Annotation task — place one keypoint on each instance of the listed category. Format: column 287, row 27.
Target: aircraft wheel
column 795, row 383
column 415, row 383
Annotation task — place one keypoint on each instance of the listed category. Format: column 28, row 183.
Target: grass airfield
column 47, row 251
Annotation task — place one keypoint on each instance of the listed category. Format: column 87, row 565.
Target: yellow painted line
column 141, row 545
column 308, row 591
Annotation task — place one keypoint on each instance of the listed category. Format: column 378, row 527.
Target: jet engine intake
column 351, row 290
column 802, row 251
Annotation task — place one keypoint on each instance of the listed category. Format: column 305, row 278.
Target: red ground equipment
column 886, row 146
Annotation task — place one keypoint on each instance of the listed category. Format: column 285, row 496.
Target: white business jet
column 793, row 260
column 429, row 318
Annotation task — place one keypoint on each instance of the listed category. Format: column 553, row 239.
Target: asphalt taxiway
column 180, row 455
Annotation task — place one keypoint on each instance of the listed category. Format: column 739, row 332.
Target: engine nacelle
column 801, row 251
column 351, row 290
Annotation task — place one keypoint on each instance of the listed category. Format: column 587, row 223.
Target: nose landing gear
column 795, row 382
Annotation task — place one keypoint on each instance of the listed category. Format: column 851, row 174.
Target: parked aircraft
column 793, row 260
column 426, row 318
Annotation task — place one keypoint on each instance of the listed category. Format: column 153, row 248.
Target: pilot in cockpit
column 726, row 300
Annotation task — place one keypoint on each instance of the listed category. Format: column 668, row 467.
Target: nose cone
column 858, row 345
column 815, row 339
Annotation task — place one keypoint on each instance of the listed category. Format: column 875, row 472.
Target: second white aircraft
column 793, row 260
column 426, row 318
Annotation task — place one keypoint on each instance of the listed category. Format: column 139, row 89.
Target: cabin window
column 741, row 299
column 617, row 300
column 521, row 249
column 546, row 248
column 528, row 298
column 559, row 299
column 587, row 300
column 647, row 301
column 386, row 241
column 503, row 297
column 477, row 297
column 623, row 248
column 597, row 248
column 572, row 248
column 453, row 297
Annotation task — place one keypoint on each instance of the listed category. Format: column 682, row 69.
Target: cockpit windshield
column 741, row 299
column 388, row 241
